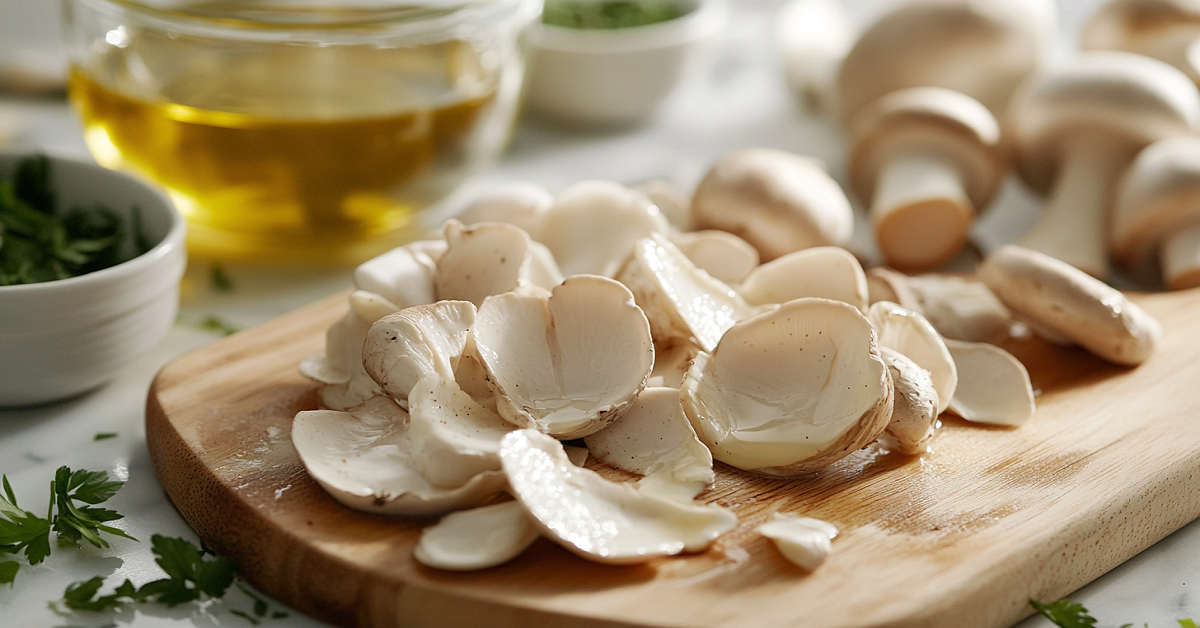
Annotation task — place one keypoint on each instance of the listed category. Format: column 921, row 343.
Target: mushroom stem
column 1074, row 222
column 1180, row 258
column 921, row 212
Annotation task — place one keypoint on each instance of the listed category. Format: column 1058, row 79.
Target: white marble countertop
column 735, row 98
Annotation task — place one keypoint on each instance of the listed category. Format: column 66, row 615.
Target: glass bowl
column 298, row 130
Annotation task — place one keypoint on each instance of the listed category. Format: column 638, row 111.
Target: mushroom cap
column 515, row 202
column 993, row 385
column 364, row 458
column 568, row 364
column 1123, row 99
column 829, row 272
column 790, row 390
column 655, row 439
column 915, row 337
column 1163, row 29
column 1065, row 300
column 481, row 260
column 718, row 253
column 478, row 538
column 930, row 121
column 682, row 302
column 593, row 225
column 403, row 275
column 982, row 49
column 600, row 520
column 777, row 201
column 402, row 348
column 1158, row 196
column 915, row 405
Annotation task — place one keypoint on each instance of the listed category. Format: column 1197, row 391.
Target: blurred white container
column 615, row 76
column 62, row 338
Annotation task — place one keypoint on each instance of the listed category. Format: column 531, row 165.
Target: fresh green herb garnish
column 213, row 323
column 39, row 243
column 614, row 14
column 1068, row 614
column 71, row 513
column 104, row 435
column 221, row 282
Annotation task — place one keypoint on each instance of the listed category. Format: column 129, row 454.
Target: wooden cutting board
column 962, row 536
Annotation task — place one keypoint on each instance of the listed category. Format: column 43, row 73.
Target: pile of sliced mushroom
column 463, row 364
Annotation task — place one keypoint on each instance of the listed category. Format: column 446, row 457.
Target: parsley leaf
column 1065, row 613
column 104, row 435
column 1187, row 623
column 221, row 282
column 21, row 531
column 188, row 573
column 8, row 571
column 213, row 323
column 74, row 522
column 81, row 596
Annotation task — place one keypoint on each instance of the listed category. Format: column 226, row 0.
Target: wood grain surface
column 962, row 536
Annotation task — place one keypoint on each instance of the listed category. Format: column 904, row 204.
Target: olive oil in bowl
column 289, row 151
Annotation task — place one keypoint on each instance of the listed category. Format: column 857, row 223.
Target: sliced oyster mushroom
column 912, row 335
column 593, row 225
column 790, row 390
column 671, row 362
column 718, row 253
column 961, row 308
column 365, row 459
column 479, row 538
column 600, row 520
column 804, row 541
column 673, row 202
column 340, row 368
column 569, row 364
column 655, row 439
column 458, row 438
column 993, row 386
column 515, row 202
column 914, row 411
column 680, row 300
column 404, row 275
column 829, row 272
column 404, row 347
column 481, row 260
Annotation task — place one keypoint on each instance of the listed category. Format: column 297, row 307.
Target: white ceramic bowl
column 615, row 76
column 62, row 338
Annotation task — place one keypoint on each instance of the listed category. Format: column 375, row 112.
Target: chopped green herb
column 213, row 323
column 38, row 242
column 22, row 532
column 76, row 522
column 614, row 14
column 188, row 573
column 1065, row 613
column 8, row 571
column 1187, row 623
column 104, row 435
column 221, row 282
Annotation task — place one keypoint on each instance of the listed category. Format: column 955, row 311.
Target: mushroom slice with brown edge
column 993, row 385
column 1167, row 30
column 1058, row 297
column 718, row 253
column 1156, row 221
column 593, row 225
column 655, row 439
column 599, row 520
column 404, row 275
column 915, row 405
column 569, row 364
column 481, row 260
column 790, row 390
column 469, row 540
column 829, row 272
column 1076, row 128
column 680, row 300
column 777, row 201
column 982, row 49
column 804, row 541
column 404, row 347
column 514, row 202
column 912, row 335
column 925, row 160
column 365, row 460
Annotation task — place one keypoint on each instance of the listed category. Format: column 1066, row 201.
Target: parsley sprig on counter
column 609, row 14
column 1068, row 614
column 71, row 514
column 40, row 243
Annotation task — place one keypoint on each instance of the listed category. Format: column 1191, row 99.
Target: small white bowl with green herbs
column 612, row 62
column 90, row 263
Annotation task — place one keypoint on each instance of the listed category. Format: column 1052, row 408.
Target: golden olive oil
column 289, row 153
